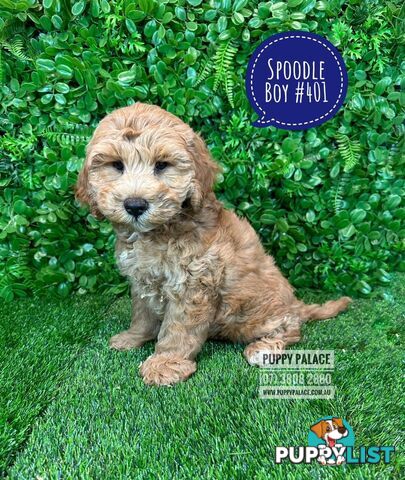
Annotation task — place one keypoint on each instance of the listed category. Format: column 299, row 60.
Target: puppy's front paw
column 124, row 341
column 166, row 369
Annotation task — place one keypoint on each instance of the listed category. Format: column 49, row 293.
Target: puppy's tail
column 321, row 312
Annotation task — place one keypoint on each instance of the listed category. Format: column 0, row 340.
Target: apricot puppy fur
column 196, row 270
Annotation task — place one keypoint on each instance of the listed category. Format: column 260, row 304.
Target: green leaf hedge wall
column 326, row 201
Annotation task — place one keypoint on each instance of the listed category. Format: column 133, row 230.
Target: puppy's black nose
column 136, row 206
column 341, row 429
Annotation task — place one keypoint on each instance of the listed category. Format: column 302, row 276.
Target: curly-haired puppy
column 196, row 270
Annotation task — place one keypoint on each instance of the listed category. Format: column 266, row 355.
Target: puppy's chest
column 155, row 270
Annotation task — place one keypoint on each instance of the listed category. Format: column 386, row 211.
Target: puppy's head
column 330, row 430
column 143, row 167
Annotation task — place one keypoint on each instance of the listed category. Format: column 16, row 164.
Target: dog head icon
column 330, row 430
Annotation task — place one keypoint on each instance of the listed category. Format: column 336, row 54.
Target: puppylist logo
column 331, row 442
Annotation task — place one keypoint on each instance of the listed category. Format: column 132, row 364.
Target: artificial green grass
column 104, row 423
column 39, row 340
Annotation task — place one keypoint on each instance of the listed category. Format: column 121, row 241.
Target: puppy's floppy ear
column 338, row 421
column 319, row 429
column 82, row 189
column 205, row 170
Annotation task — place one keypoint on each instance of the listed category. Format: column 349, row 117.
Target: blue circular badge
column 296, row 80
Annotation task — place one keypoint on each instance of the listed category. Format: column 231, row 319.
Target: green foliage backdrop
column 326, row 201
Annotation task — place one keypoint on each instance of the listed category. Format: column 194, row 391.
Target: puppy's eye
column 118, row 165
column 160, row 166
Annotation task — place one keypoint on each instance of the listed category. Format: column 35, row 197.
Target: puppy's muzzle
column 136, row 206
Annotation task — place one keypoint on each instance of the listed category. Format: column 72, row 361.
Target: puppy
column 330, row 431
column 196, row 270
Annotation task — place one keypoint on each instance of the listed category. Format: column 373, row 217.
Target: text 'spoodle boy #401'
column 197, row 271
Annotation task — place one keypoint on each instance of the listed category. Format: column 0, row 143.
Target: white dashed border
column 301, row 123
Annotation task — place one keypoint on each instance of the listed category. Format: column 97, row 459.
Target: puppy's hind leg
column 288, row 329
column 274, row 342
